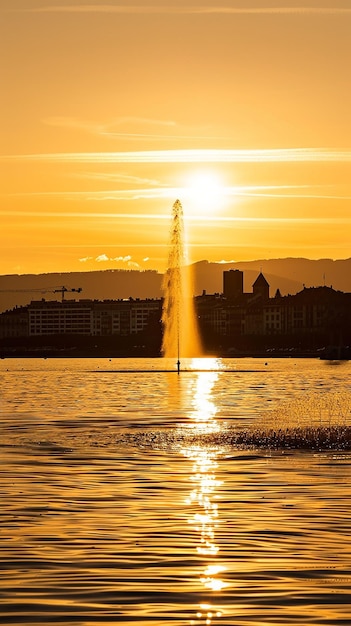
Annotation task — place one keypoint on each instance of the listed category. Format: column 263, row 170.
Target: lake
column 124, row 500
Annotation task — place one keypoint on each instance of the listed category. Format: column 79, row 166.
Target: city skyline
column 111, row 112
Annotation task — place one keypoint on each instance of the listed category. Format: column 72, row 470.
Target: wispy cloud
column 191, row 156
column 281, row 191
column 98, row 127
column 158, row 136
column 140, row 217
column 190, row 10
column 123, row 179
column 133, row 128
column 74, row 123
column 84, row 215
column 165, row 192
column 131, row 194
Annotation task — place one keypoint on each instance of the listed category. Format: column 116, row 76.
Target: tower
column 233, row 284
column 261, row 287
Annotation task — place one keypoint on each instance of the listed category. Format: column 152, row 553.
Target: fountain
column 180, row 336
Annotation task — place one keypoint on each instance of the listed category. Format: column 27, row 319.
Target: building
column 260, row 288
column 60, row 318
column 124, row 317
column 315, row 316
column 14, row 323
column 82, row 317
column 233, row 284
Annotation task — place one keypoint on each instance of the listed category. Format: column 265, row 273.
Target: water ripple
column 157, row 500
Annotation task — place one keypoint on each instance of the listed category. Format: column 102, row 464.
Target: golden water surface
column 121, row 501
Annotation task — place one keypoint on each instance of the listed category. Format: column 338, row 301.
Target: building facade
column 83, row 317
column 318, row 314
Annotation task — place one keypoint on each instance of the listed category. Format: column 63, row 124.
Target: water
column 181, row 336
column 123, row 500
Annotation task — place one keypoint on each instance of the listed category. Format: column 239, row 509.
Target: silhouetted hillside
column 336, row 274
column 289, row 275
column 209, row 276
column 100, row 285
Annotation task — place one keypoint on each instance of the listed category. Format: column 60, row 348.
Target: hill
column 100, row 285
column 336, row 274
column 289, row 275
column 209, row 277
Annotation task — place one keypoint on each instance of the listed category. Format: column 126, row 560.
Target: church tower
column 261, row 287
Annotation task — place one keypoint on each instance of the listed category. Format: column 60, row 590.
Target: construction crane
column 61, row 290
column 64, row 290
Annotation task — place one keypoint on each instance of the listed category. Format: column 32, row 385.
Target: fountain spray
column 180, row 336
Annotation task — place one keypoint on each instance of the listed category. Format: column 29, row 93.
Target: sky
column 112, row 110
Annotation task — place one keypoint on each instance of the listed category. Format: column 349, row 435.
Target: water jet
column 180, row 330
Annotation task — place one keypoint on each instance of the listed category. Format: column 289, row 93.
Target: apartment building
column 82, row 317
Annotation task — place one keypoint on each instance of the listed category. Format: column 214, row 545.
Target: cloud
column 84, row 215
column 125, row 259
column 171, row 193
column 104, row 258
column 132, row 194
column 135, row 128
column 275, row 155
column 140, row 217
column 119, row 178
column 74, row 122
column 190, row 10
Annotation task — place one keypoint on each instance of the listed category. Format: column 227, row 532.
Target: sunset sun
column 175, row 312
column 204, row 192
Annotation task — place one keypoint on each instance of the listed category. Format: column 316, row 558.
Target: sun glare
column 205, row 192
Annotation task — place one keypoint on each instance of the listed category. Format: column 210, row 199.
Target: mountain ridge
column 289, row 275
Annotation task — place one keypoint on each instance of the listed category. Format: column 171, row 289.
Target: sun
column 204, row 192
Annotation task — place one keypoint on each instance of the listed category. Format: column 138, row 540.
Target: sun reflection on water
column 204, row 511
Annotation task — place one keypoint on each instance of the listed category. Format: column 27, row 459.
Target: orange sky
column 111, row 111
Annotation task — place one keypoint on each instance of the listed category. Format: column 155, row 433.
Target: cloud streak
column 164, row 192
column 119, row 179
column 96, row 127
column 190, row 10
column 283, row 155
column 131, row 217
column 115, row 128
